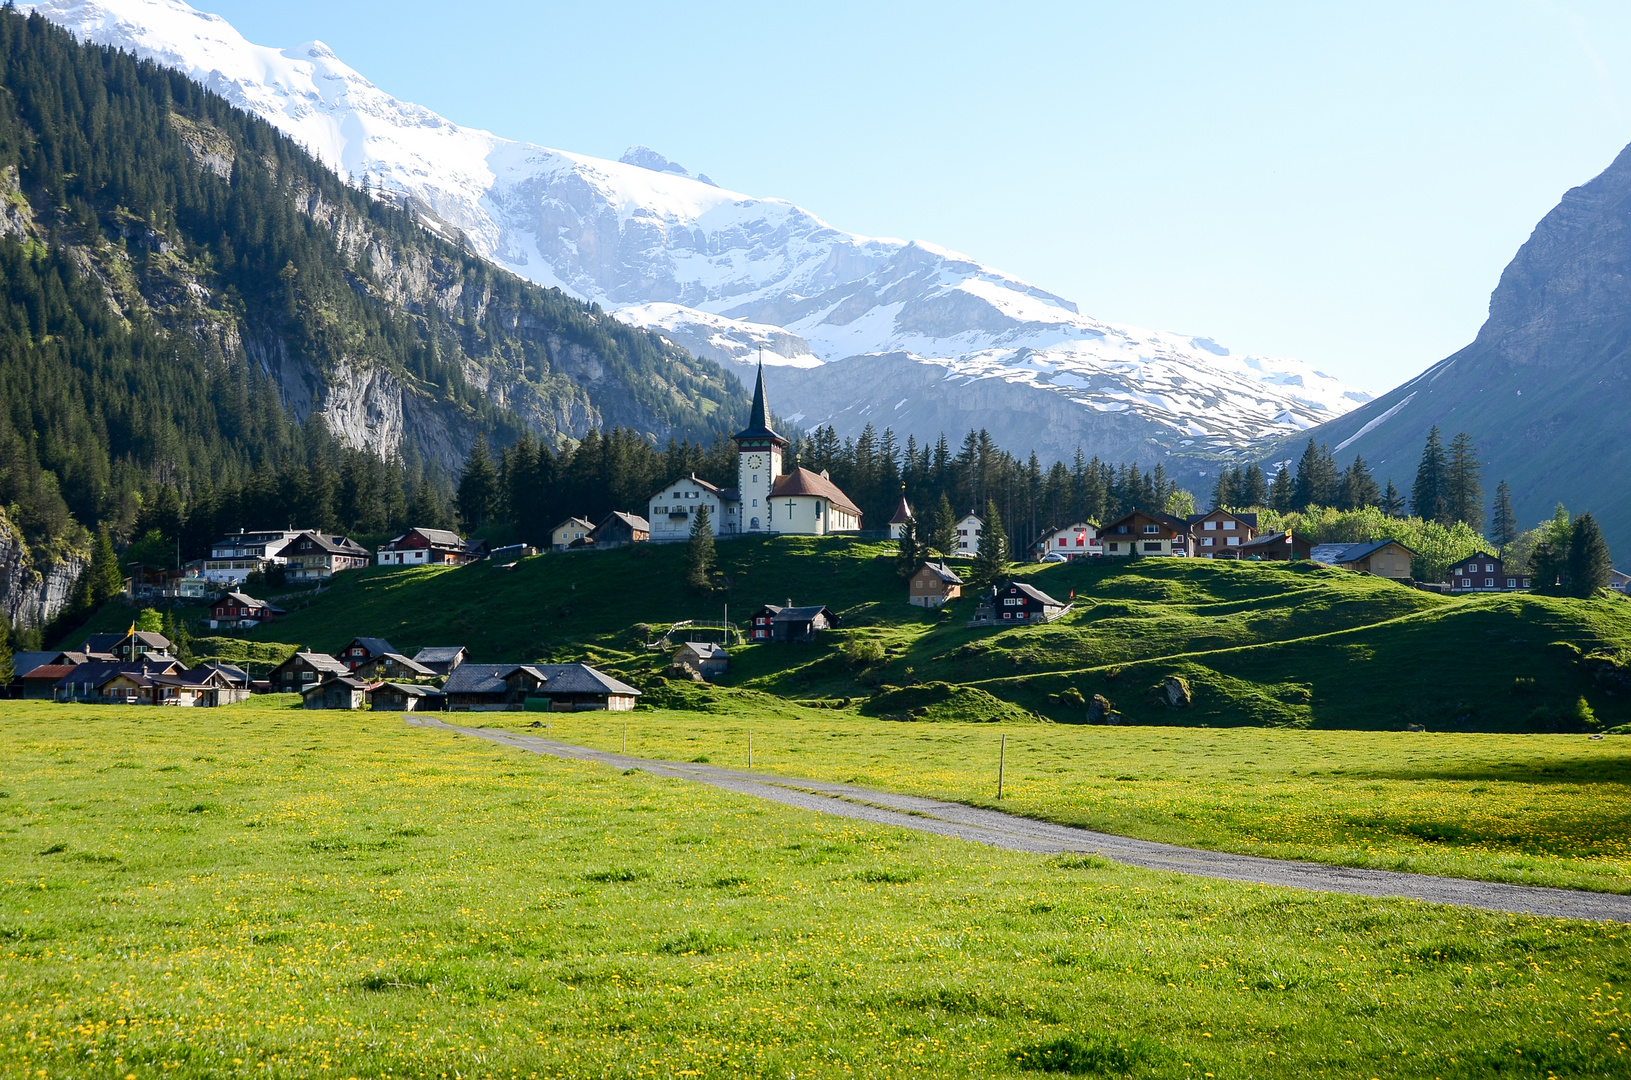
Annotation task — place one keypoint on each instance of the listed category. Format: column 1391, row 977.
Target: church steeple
column 758, row 428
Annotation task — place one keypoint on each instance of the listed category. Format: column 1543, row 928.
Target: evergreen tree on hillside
column 1588, row 562
column 1463, row 493
column 1282, row 495
column 1317, row 478
column 1549, row 559
column 478, row 486
column 103, row 580
column 1392, row 503
column 699, row 552
column 1503, row 523
column 944, row 539
column 427, row 509
column 1358, row 489
column 1252, row 491
column 1428, row 494
column 991, row 560
column 1225, row 491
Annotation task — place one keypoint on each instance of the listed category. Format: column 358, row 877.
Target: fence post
column 750, row 749
column 625, row 736
column 1002, row 762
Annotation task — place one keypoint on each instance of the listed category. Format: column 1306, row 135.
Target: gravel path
column 1044, row 838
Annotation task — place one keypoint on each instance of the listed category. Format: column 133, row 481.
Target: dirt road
column 1027, row 834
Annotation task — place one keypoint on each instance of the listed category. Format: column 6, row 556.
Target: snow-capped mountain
column 723, row 273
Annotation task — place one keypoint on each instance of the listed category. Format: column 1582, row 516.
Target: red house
column 239, row 611
column 430, row 547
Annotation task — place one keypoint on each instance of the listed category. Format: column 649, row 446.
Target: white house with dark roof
column 672, row 510
column 969, row 531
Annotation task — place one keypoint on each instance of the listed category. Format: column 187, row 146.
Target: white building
column 765, row 499
column 672, row 509
column 969, row 531
column 1081, row 538
column 902, row 520
column 236, row 557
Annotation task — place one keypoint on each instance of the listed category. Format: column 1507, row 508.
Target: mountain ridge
column 643, row 232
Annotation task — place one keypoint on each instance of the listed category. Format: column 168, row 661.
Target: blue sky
column 1312, row 180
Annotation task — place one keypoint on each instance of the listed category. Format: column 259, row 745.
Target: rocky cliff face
column 33, row 591
column 1545, row 387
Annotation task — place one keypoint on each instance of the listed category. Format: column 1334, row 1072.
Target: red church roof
column 805, row 482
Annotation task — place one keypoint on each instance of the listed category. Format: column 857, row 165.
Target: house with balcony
column 1145, row 533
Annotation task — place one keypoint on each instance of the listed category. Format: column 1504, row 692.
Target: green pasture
column 1531, row 809
column 269, row 893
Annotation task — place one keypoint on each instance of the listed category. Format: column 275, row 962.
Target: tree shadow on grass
column 1608, row 767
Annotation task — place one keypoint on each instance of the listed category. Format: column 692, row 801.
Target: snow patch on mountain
column 720, row 272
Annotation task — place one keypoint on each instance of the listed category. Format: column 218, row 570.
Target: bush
column 861, row 652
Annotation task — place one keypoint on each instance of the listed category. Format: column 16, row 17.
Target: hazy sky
column 1337, row 184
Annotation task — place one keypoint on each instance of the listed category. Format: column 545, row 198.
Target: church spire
column 759, row 419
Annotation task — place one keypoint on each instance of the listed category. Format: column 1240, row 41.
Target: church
column 765, row 499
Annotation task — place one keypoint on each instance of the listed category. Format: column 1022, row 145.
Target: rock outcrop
column 33, row 590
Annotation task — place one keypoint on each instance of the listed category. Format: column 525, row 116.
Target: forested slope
column 183, row 291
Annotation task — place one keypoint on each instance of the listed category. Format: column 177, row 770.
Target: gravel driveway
column 1040, row 837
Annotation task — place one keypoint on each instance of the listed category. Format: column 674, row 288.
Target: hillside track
column 1017, row 833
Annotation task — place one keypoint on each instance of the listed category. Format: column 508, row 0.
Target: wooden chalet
column 317, row 557
column 393, row 666
column 303, row 670
column 1278, row 545
column 553, row 687
column 791, row 624
column 430, row 547
column 1484, row 573
column 620, row 529
column 408, row 697
column 1382, row 558
column 337, row 692
column 932, row 585
column 441, row 659
column 363, row 649
column 1144, row 533
column 1219, row 534
column 240, row 611
column 703, row 658
column 1015, row 602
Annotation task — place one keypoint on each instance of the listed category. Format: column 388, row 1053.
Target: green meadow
column 1528, row 809
column 272, row 892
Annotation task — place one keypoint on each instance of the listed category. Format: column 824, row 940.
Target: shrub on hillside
column 941, row 702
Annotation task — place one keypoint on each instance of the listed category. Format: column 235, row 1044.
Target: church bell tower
column 758, row 463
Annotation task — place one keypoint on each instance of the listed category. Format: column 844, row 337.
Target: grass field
column 251, row 892
column 1532, row 809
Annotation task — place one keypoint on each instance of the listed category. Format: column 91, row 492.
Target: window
column 1114, row 546
column 1466, row 583
column 1227, row 525
column 1121, row 528
column 1211, row 525
column 1489, row 568
column 1511, row 583
column 1489, row 583
column 1206, row 541
column 1152, row 545
column 1151, row 529
column 1233, row 541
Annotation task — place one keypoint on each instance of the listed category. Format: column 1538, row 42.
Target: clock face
column 753, row 462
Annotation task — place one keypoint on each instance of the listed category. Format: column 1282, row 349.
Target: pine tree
column 944, row 538
column 1392, row 503
column 909, row 554
column 1252, row 490
column 1503, row 523
column 103, row 580
column 478, row 486
column 991, row 560
column 699, row 552
column 1223, row 492
column 1358, row 488
column 1317, row 482
column 1427, row 494
column 1282, row 495
column 1589, row 564
column 1463, row 493
column 426, row 510
column 1549, row 559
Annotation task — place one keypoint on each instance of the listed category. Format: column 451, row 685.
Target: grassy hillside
column 281, row 893
column 1256, row 644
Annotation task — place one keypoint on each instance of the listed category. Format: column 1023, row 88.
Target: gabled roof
column 801, row 614
column 633, row 521
column 24, row 662
column 477, row 679
column 1248, row 520
column 587, row 525
column 1360, row 551
column 101, row 643
column 707, row 650
column 941, row 571
column 245, row 600
column 403, row 662
column 802, row 481
column 1034, row 593
column 903, row 513
column 232, row 672
column 411, row 689
column 376, row 646
column 444, row 537
column 318, row 660
column 334, row 545
column 438, row 654
column 1270, row 539
column 971, row 516
column 343, row 680
column 1177, row 524
column 52, row 672
column 723, row 494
